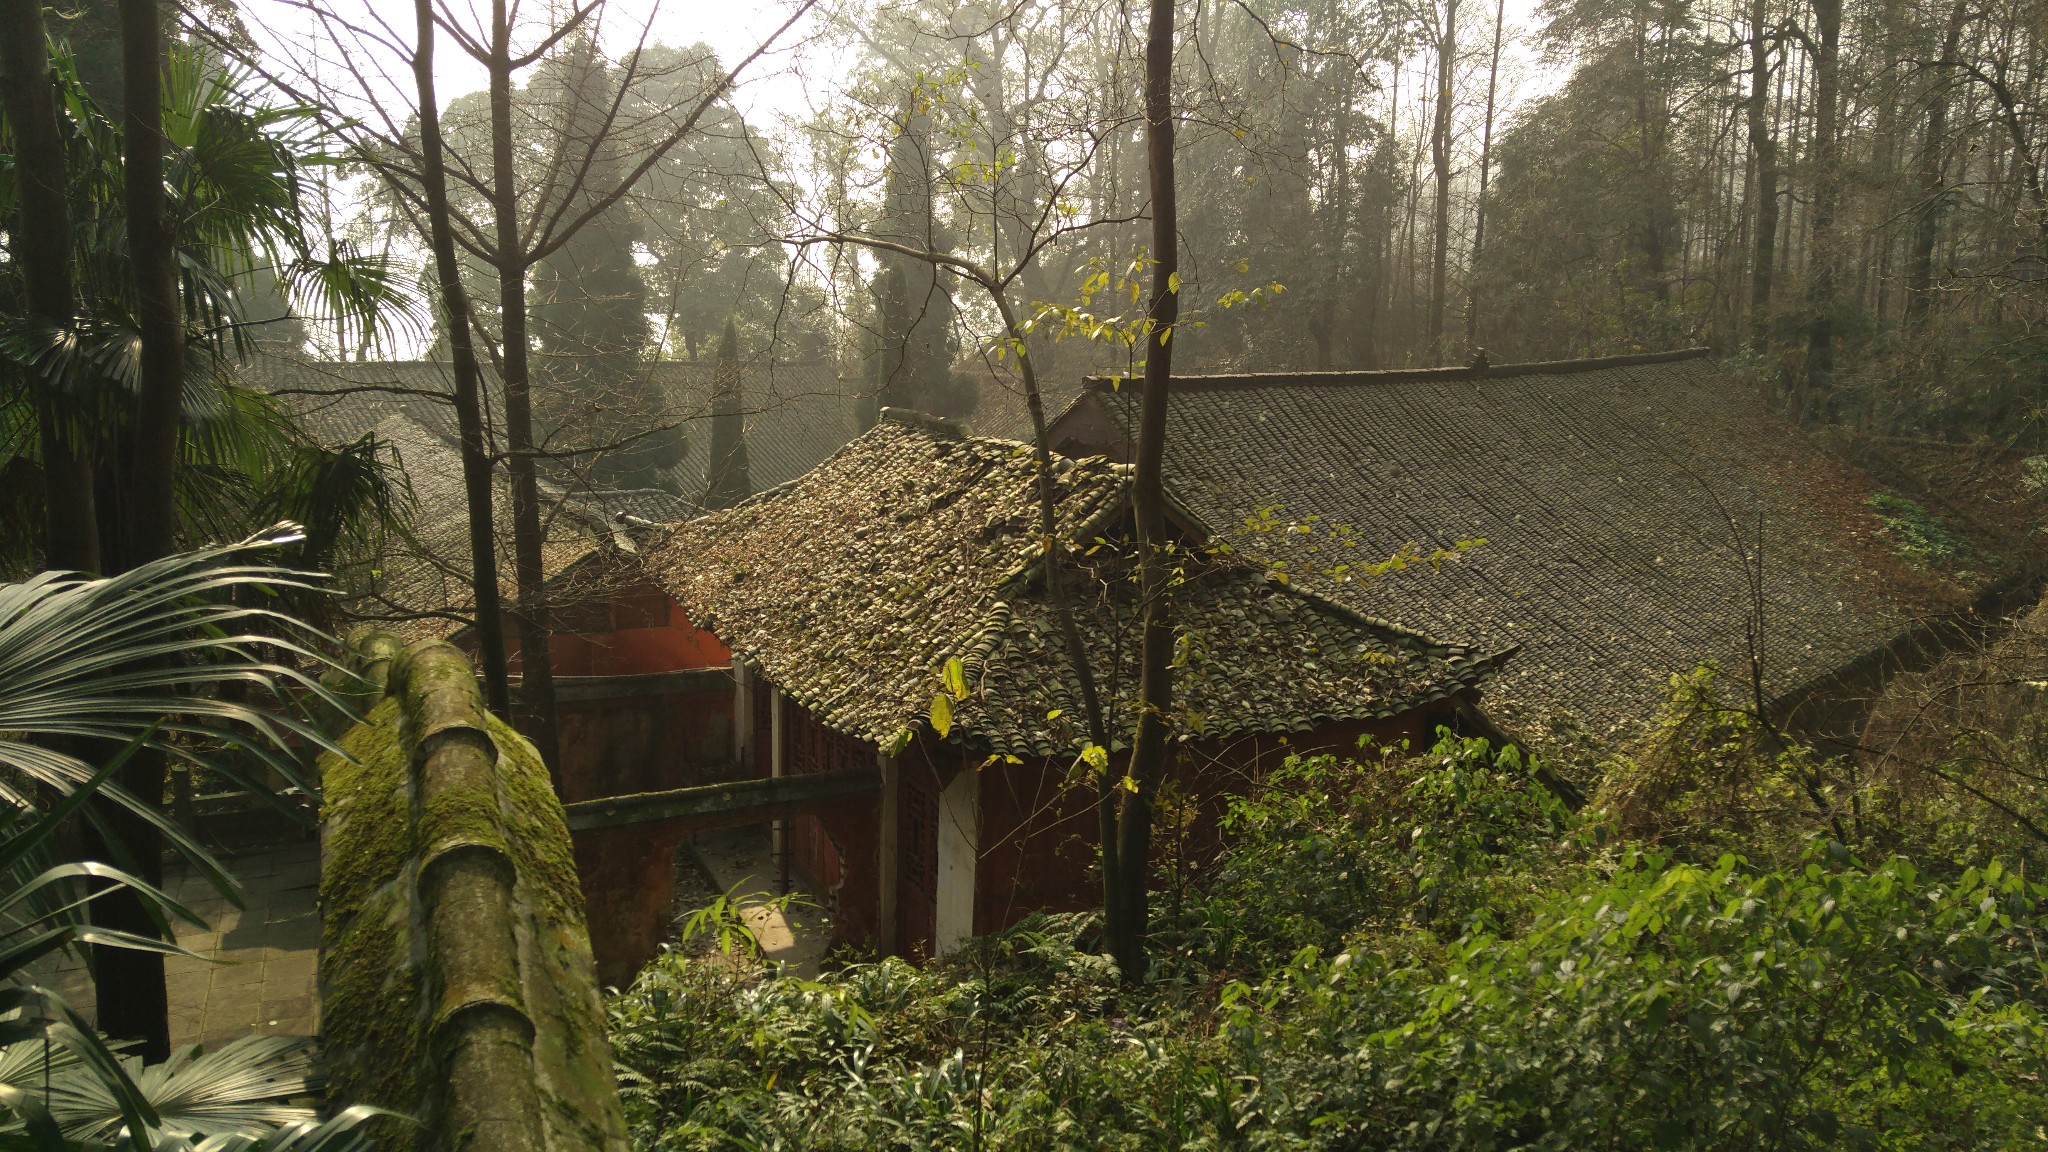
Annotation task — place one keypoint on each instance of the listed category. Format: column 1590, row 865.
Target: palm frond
column 242, row 1087
column 341, row 1133
column 173, row 649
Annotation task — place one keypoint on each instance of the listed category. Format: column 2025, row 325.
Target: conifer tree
column 912, row 362
column 589, row 312
column 726, row 481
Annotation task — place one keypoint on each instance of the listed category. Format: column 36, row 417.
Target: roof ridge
column 1098, row 384
column 1398, row 632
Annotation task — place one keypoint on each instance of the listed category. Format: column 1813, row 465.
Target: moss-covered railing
column 456, row 979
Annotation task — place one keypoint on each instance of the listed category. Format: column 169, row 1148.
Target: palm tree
column 83, row 372
column 187, row 658
column 238, row 171
column 164, row 658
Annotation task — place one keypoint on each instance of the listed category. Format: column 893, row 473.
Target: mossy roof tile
column 852, row 586
column 1617, row 502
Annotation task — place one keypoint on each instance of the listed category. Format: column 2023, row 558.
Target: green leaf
column 955, row 676
column 898, row 742
column 942, row 714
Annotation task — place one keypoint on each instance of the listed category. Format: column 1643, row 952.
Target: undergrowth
column 1422, row 952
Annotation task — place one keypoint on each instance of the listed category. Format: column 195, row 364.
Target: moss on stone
column 370, row 1001
column 537, row 828
column 369, row 837
column 378, row 977
column 439, row 690
column 371, row 1015
column 464, row 814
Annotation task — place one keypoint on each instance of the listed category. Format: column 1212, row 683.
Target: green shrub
column 1917, row 534
column 1409, row 953
column 1671, row 1005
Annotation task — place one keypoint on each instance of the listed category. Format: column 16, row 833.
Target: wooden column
column 742, row 715
column 959, row 849
column 888, row 938
column 778, row 766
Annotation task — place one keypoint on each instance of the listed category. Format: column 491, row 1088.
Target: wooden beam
column 738, row 798
column 640, row 684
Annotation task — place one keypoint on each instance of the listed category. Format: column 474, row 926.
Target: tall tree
column 1763, row 149
column 590, row 302
column 1500, row 12
column 513, row 259
column 1440, row 162
column 41, row 238
column 521, row 235
column 727, row 482
column 1149, row 749
column 1933, row 173
column 1825, row 43
column 915, row 341
column 131, row 996
column 147, row 484
column 469, row 422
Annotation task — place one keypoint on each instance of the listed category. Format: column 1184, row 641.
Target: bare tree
column 476, row 463
column 1149, row 751
column 1763, row 148
column 1825, row 45
column 1933, row 173
column 524, row 218
column 1500, row 12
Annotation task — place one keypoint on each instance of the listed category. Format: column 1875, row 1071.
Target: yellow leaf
column 942, row 714
column 1173, row 282
column 1128, row 784
column 955, row 676
column 1097, row 757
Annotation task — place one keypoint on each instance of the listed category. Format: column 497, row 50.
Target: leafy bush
column 1408, row 953
column 1917, row 534
column 1709, row 778
column 1671, row 1005
column 1329, row 846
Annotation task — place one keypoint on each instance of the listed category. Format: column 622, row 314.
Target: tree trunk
column 476, row 463
column 1820, row 338
column 1764, row 150
column 1440, row 157
column 42, row 244
column 130, row 984
column 1652, row 124
column 1933, row 178
column 1485, row 167
column 149, row 512
column 536, row 665
column 1148, row 506
column 1054, row 549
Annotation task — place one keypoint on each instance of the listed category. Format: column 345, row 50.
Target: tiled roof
column 419, row 585
column 852, row 586
column 796, row 414
column 1616, row 500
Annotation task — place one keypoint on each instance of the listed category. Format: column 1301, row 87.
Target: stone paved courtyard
column 264, row 957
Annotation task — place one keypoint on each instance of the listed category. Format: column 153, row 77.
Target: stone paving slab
column 738, row 861
column 260, row 965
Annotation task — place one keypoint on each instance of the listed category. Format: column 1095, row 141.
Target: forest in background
column 1848, row 197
